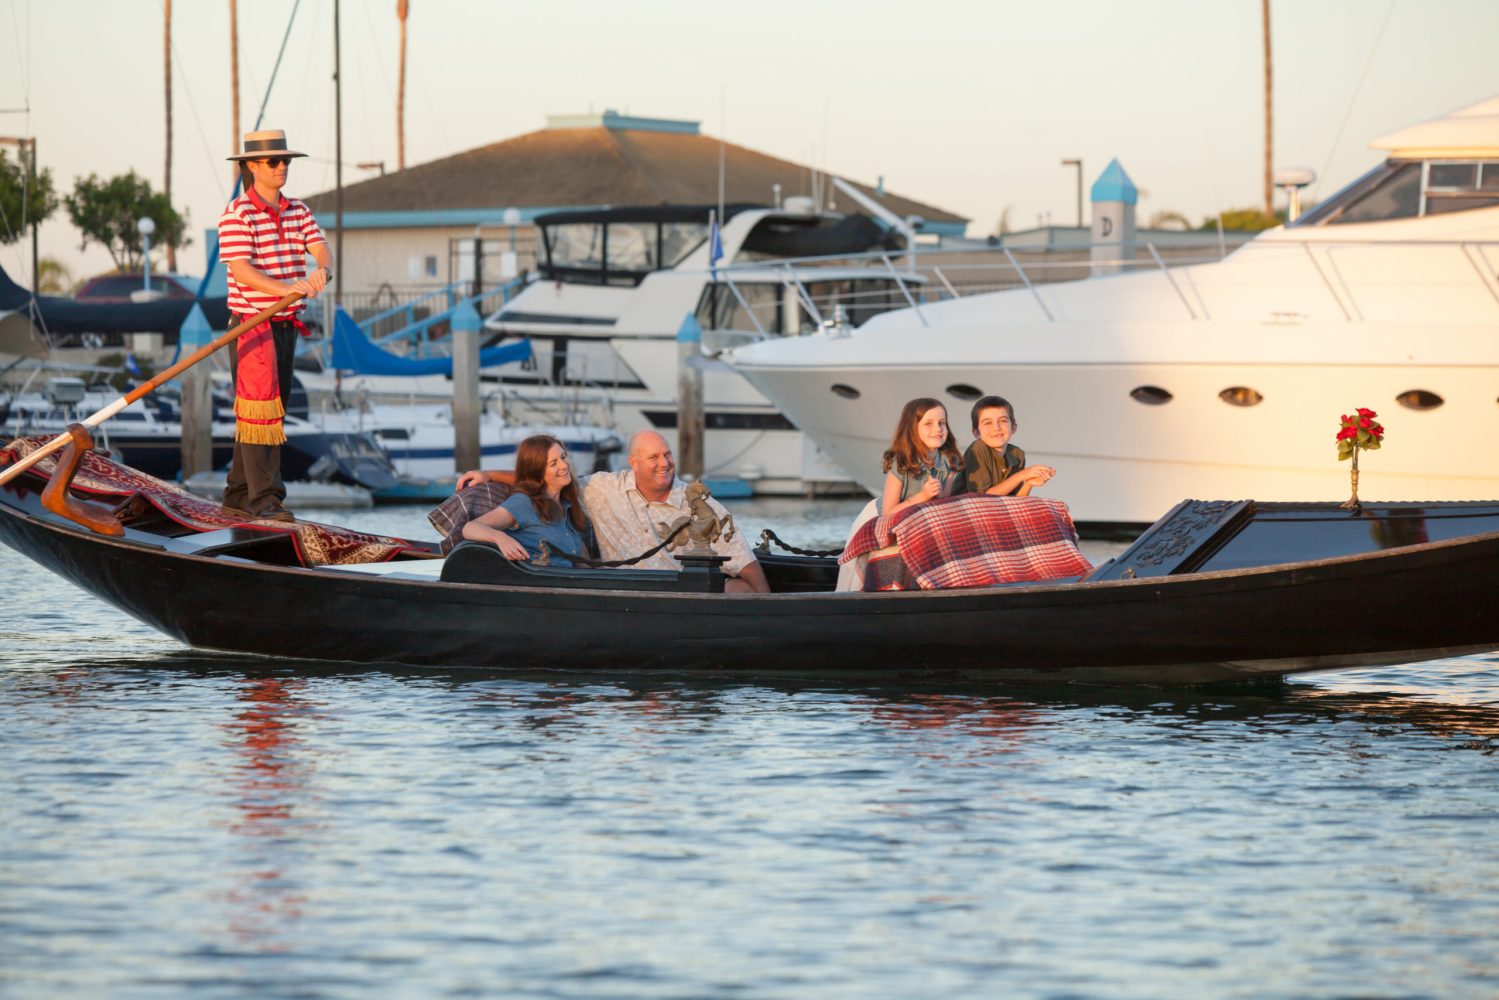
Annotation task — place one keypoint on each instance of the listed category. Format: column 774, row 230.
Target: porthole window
column 845, row 391
column 963, row 390
column 1419, row 399
column 1241, row 395
column 1150, row 395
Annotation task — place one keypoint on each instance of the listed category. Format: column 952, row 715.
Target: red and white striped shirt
column 275, row 240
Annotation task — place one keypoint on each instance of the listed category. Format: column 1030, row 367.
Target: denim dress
column 530, row 530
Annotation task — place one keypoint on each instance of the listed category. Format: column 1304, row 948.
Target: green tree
column 1168, row 219
column 107, row 213
column 20, row 203
column 1244, row 220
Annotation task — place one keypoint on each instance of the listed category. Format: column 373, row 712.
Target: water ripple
column 221, row 826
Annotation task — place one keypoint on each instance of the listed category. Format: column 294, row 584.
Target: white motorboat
column 418, row 437
column 147, row 434
column 406, row 404
column 616, row 286
column 1217, row 379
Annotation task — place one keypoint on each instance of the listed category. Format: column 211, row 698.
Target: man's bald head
column 647, row 440
column 655, row 469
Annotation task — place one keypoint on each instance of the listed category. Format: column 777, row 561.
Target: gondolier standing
column 264, row 239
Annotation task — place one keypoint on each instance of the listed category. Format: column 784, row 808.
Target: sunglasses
column 274, row 161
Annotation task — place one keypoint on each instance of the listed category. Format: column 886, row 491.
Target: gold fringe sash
column 250, row 432
column 258, row 408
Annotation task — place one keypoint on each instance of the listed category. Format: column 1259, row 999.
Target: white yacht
column 1224, row 379
column 615, row 287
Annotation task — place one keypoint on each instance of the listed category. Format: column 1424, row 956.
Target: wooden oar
column 61, row 441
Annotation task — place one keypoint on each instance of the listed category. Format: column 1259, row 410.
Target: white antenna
column 816, row 177
column 723, row 127
column 825, row 103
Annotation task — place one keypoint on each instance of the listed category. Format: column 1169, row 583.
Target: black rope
column 767, row 536
column 548, row 550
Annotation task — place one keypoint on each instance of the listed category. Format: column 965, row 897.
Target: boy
column 991, row 464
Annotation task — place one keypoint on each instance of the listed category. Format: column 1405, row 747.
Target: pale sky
column 963, row 104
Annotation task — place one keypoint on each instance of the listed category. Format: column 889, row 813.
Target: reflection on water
column 175, row 823
column 387, row 831
column 996, row 725
column 267, row 784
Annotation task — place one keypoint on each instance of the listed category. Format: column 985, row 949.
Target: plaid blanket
column 316, row 544
column 449, row 517
column 977, row 540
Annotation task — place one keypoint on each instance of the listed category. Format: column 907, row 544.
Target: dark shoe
column 275, row 512
column 239, row 512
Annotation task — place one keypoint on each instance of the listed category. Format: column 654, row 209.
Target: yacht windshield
column 678, row 239
column 780, row 312
column 632, row 246
column 1456, row 186
column 1403, row 189
column 576, row 245
column 619, row 246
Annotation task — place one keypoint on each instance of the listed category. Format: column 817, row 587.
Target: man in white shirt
column 625, row 508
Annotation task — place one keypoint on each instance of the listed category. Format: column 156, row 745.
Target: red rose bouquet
column 1357, row 433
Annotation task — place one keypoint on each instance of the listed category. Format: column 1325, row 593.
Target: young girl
column 922, row 458
column 544, row 507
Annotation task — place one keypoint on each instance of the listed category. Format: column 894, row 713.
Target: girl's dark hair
column 992, row 403
column 246, row 179
column 906, row 454
column 530, row 479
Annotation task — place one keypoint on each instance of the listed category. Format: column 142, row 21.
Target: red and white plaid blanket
column 316, row 544
column 977, row 540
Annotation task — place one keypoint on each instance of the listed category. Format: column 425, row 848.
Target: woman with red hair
column 545, row 507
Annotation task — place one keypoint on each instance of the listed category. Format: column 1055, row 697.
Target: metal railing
column 439, row 306
column 960, row 274
column 957, row 274
column 417, row 328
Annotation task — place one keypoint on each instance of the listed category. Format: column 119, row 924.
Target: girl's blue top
column 530, row 530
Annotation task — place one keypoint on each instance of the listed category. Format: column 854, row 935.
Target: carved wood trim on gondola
column 56, row 496
column 1177, row 542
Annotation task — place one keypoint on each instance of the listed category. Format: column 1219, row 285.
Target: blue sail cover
column 352, row 350
column 58, row 314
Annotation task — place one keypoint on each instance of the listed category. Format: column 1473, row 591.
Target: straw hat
column 267, row 142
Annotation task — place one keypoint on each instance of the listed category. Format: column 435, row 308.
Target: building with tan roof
column 417, row 229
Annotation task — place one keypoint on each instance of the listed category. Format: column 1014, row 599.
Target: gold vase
column 1352, row 503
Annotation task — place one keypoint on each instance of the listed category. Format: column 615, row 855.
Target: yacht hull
column 1120, row 460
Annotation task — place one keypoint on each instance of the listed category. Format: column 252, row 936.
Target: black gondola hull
column 1418, row 602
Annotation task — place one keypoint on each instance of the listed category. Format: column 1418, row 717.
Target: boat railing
column 407, row 328
column 824, row 293
column 569, row 406
column 929, row 275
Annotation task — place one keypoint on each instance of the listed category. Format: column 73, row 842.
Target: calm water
column 179, row 825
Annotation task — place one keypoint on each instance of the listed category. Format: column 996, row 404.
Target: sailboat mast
column 234, row 80
column 338, row 165
column 167, row 172
column 402, row 8
column 1269, row 132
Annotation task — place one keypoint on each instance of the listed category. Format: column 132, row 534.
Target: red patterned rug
column 316, row 544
